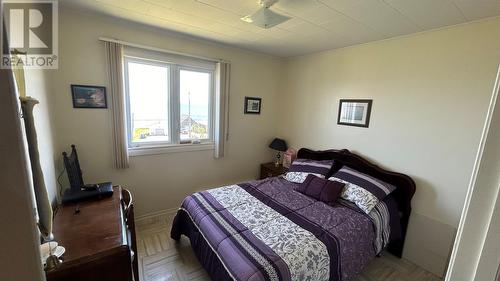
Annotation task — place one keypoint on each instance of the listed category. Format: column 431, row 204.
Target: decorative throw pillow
column 301, row 168
column 363, row 190
column 321, row 189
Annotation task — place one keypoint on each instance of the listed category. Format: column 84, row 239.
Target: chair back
column 73, row 170
column 127, row 202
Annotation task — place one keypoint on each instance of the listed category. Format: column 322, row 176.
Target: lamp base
column 278, row 159
column 52, row 263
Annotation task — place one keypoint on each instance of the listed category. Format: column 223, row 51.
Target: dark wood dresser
column 99, row 240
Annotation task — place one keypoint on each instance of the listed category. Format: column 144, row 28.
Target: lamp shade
column 278, row 144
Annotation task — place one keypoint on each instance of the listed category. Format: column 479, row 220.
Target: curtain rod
column 105, row 39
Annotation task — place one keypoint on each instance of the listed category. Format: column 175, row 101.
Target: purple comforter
column 265, row 230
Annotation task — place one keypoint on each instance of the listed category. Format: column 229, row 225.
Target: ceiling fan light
column 265, row 18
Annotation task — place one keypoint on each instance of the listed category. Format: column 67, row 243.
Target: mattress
column 265, row 230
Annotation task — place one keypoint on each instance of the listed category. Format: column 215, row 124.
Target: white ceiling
column 315, row 25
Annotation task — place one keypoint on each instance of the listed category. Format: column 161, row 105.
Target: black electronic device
column 79, row 191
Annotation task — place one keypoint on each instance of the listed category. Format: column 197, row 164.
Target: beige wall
column 160, row 182
column 430, row 94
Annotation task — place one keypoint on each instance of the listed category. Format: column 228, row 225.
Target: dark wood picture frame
column 252, row 111
column 368, row 112
column 78, row 93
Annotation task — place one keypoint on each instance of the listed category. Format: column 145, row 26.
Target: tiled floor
column 163, row 259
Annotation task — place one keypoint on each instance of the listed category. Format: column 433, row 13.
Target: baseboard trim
column 165, row 212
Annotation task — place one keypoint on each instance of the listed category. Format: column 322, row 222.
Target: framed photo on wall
column 354, row 112
column 88, row 96
column 252, row 105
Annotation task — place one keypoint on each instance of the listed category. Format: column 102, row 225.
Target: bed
column 265, row 230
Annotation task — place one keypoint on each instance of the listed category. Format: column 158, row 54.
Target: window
column 148, row 98
column 169, row 101
column 194, row 104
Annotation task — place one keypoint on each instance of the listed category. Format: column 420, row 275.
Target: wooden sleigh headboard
column 405, row 186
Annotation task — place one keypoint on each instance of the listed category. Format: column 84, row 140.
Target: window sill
column 138, row 151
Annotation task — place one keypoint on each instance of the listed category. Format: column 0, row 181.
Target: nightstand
column 268, row 170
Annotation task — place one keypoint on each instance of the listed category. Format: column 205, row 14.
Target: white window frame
column 174, row 67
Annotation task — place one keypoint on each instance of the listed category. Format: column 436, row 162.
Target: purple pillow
column 321, row 189
column 301, row 168
column 362, row 189
column 375, row 186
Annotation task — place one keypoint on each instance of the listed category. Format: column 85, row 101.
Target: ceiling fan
column 265, row 17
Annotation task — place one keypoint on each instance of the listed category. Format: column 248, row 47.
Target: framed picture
column 354, row 112
column 252, row 105
column 88, row 96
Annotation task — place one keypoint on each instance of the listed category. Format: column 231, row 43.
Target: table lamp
column 279, row 145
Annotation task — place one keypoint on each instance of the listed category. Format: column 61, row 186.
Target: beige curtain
column 223, row 71
column 114, row 60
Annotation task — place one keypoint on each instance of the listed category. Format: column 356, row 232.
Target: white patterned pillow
column 301, row 168
column 358, row 195
column 300, row 177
